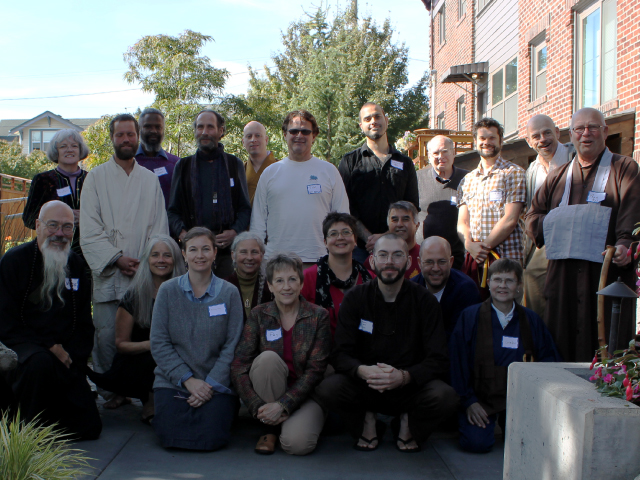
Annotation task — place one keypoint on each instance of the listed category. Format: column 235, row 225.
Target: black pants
column 129, row 376
column 44, row 388
column 427, row 405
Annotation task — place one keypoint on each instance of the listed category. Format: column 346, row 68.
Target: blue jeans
column 476, row 439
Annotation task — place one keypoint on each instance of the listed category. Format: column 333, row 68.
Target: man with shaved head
column 45, row 307
column 543, row 136
column 438, row 195
column 580, row 209
column 453, row 289
column 255, row 140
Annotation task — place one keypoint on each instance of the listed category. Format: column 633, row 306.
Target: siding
column 496, row 39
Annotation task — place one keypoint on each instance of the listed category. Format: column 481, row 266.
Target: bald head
column 55, row 208
column 55, row 223
column 435, row 263
column 440, row 141
column 254, row 140
column 588, row 134
column 442, row 152
column 436, row 243
column 543, row 136
column 588, row 113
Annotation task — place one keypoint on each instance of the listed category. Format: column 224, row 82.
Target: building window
column 482, row 104
column 538, row 71
column 482, row 4
column 597, row 54
column 462, row 8
column 40, row 139
column 441, row 26
column 462, row 113
column 504, row 96
column 440, row 121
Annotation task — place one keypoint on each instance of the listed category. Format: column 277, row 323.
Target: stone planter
column 559, row 427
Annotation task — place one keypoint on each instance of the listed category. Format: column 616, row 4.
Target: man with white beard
column 45, row 306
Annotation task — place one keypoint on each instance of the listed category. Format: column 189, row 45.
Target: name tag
column 596, row 197
column 72, row 284
column 314, row 188
column 273, row 335
column 510, row 342
column 216, row 310
column 232, row 183
column 63, row 192
column 495, row 196
column 454, row 200
column 215, row 197
column 366, row 326
column 160, row 171
column 397, row 164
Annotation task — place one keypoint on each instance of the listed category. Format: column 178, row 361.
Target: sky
column 65, row 47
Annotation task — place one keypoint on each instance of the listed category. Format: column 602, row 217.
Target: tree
column 98, row 140
column 173, row 69
column 331, row 68
column 14, row 162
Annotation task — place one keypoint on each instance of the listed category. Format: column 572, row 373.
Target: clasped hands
column 272, row 414
column 381, row 377
column 201, row 392
column 478, row 250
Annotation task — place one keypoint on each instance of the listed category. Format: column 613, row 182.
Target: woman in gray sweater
column 197, row 322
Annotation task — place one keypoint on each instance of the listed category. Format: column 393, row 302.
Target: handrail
column 9, row 200
column 16, row 178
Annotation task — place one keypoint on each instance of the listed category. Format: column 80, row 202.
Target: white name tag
column 72, row 284
column 495, row 196
column 454, row 200
column 273, row 335
column 510, row 342
column 216, row 310
column 366, row 326
column 160, row 171
column 596, row 197
column 63, row 192
column 397, row 164
column 232, row 184
column 314, row 188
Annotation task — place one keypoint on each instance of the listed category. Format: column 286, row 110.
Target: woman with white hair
column 247, row 253
column 66, row 149
column 132, row 371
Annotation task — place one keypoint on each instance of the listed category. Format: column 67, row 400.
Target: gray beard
column 54, row 273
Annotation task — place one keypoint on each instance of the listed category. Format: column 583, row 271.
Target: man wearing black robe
column 49, row 328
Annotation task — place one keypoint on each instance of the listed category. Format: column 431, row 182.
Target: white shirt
column 438, row 295
column 559, row 158
column 502, row 318
column 292, row 199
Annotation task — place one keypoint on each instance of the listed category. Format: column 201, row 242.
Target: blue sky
column 75, row 47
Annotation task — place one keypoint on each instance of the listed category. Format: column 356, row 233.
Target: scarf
column 326, row 278
column 223, row 214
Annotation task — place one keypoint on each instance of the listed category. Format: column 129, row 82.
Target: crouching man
column 487, row 339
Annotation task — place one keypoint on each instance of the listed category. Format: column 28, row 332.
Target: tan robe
column 571, row 312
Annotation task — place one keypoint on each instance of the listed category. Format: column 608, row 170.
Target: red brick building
column 518, row 58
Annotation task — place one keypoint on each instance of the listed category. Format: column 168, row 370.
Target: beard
column 389, row 281
column 209, row 146
column 151, row 144
column 373, row 135
column 493, row 154
column 125, row 151
column 54, row 272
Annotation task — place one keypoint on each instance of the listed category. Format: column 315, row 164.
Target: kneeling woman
column 197, row 322
column 131, row 373
column 281, row 358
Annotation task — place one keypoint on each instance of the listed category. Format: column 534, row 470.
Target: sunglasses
column 296, row 131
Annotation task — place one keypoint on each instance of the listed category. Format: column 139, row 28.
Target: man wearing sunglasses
column 295, row 195
column 45, row 307
column 582, row 208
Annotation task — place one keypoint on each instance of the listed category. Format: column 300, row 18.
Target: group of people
column 301, row 290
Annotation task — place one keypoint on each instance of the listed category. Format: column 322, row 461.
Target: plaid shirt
column 486, row 195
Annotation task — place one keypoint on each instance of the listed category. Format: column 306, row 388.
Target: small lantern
column 617, row 291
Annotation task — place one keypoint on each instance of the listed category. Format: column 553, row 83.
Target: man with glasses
column 487, row 339
column 45, row 307
column 295, row 194
column 453, row 289
column 390, row 356
column 375, row 176
column 582, row 208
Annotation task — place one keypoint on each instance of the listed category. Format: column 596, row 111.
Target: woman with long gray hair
column 131, row 373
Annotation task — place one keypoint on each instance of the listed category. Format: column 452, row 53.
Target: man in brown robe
column 570, row 289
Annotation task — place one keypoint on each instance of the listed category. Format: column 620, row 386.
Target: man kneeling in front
column 390, row 356
column 487, row 339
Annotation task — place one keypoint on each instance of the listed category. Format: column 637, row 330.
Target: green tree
column 331, row 67
column 97, row 139
column 14, row 162
column 181, row 79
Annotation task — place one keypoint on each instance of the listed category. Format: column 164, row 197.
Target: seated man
column 45, row 307
column 486, row 340
column 390, row 355
column 453, row 289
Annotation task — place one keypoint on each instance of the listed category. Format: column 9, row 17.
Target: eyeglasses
column 509, row 282
column 53, row 227
column 336, row 233
column 441, row 263
column 396, row 257
column 296, row 131
column 592, row 129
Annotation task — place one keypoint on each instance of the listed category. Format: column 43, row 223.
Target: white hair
column 54, row 272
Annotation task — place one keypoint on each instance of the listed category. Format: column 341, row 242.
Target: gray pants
column 104, row 339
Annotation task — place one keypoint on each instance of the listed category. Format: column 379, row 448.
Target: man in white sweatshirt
column 295, row 194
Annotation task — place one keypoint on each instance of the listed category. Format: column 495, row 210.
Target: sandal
column 365, row 448
column 405, row 443
column 116, row 402
column 266, row 445
column 147, row 420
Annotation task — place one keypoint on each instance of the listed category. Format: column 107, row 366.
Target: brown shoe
column 267, row 444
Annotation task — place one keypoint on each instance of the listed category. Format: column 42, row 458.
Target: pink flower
column 626, row 381
column 629, row 252
column 598, row 372
column 629, row 393
column 593, row 378
column 607, row 378
column 595, row 358
column 623, row 369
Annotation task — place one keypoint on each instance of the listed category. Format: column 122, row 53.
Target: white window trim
column 442, row 26
column 535, row 48
column 505, row 97
column 42, row 130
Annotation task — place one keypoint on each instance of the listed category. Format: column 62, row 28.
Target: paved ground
column 129, row 450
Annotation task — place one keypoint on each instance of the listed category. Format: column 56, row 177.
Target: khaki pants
column 535, row 276
column 299, row 433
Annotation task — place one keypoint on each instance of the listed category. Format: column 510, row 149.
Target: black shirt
column 372, row 186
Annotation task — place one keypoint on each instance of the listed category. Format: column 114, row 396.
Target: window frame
column 462, row 9
column 461, row 113
column 535, row 48
column 41, row 142
column 439, row 119
column 511, row 97
column 442, row 26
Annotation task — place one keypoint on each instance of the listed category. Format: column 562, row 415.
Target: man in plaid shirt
column 490, row 199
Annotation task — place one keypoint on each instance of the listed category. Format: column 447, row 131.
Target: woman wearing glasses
column 197, row 322
column 326, row 282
